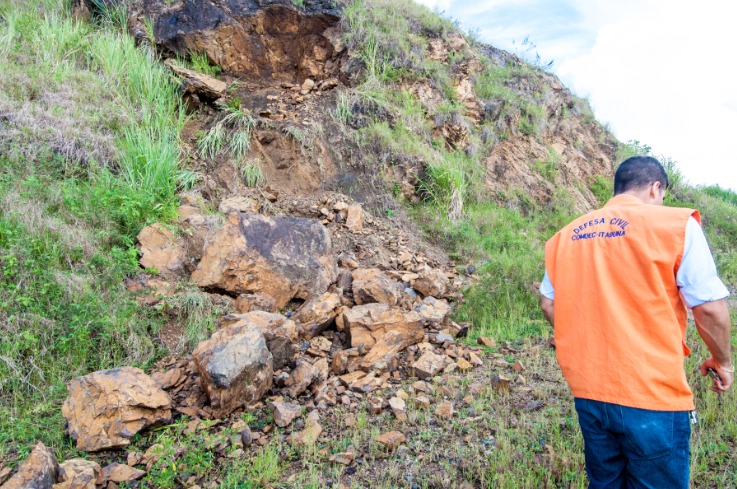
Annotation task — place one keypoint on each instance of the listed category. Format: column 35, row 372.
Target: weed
column 252, row 174
column 549, row 167
column 201, row 63
column 236, row 126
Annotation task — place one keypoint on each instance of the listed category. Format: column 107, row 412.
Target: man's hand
column 726, row 377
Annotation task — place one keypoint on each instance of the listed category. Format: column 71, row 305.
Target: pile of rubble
column 311, row 328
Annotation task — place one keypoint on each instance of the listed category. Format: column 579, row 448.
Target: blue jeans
column 634, row 448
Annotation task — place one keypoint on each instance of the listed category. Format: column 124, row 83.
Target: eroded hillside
column 259, row 243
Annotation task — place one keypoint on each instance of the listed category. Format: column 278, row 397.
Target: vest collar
column 623, row 199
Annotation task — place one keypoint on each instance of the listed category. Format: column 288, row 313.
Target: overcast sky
column 658, row 71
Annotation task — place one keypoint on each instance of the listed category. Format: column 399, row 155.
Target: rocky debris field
column 311, row 326
column 402, row 430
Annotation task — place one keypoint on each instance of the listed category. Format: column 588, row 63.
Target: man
column 617, row 284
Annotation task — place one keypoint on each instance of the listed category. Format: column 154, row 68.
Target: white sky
column 662, row 72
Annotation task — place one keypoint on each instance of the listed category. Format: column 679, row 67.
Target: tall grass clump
column 232, row 132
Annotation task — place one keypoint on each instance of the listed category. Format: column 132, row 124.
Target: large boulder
column 254, row 39
column 316, row 315
column 39, row 471
column 281, row 333
column 106, row 409
column 282, row 257
column 372, row 285
column 236, row 367
column 368, row 324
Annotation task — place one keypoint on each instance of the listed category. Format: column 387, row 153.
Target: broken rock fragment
column 432, row 283
column 367, row 324
column 433, row 310
column 236, row 367
column 392, row 439
column 39, row 471
column 285, row 412
column 372, row 285
column 317, row 314
column 122, row 473
column 429, row 364
column 280, row 333
column 162, row 250
column 301, row 378
column 106, row 409
column 78, row 473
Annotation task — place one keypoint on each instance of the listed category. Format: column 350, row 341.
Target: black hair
column 637, row 172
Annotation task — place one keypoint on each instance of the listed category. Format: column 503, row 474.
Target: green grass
column 90, row 154
column 232, row 131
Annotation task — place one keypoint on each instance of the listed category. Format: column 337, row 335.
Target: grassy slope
column 87, row 120
column 88, row 154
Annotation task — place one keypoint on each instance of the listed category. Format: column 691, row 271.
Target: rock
column 282, row 257
column 235, row 367
column 307, row 86
column 423, row 401
column 246, row 436
column 365, row 384
column 285, row 412
column 445, row 410
column 341, row 360
column 281, row 333
column 348, row 261
column 433, row 310
column 376, row 405
column 198, row 83
column 388, row 346
column 500, row 382
column 251, row 40
column 372, row 285
column 78, row 473
column 518, row 367
column 367, row 324
column 355, row 220
column 106, row 409
column 432, row 283
column 239, row 203
column 474, row 359
column 399, row 407
column 39, row 471
column 422, row 386
column 464, row 364
column 345, row 458
column 486, row 341
column 122, row 473
column 301, row 378
column 429, row 364
column 316, row 314
column 161, row 250
column 246, row 303
column 392, row 439
column 310, row 434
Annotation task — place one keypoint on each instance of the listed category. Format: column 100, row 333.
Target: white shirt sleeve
column 546, row 287
column 697, row 276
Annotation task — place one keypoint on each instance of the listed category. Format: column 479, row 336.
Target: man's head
column 643, row 177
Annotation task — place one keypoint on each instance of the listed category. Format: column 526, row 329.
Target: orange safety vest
column 620, row 321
